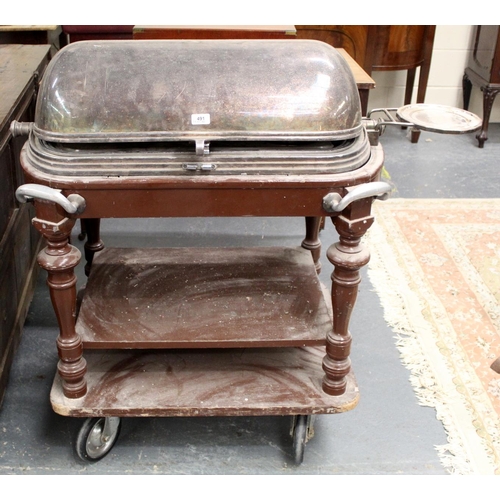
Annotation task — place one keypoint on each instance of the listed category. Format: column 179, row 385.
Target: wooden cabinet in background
column 382, row 48
column 221, row 32
column 21, row 66
column 82, row 32
column 483, row 70
column 43, row 34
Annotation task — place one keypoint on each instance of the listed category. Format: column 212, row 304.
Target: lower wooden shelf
column 205, row 382
column 203, row 298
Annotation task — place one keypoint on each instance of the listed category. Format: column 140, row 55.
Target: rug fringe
column 465, row 453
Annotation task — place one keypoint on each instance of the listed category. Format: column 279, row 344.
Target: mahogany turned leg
column 94, row 243
column 312, row 241
column 59, row 259
column 348, row 256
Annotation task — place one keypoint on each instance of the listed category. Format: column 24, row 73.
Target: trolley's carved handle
column 333, row 202
column 73, row 204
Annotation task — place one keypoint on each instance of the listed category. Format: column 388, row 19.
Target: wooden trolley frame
column 163, row 332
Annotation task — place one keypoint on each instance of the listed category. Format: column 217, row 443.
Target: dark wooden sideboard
column 81, row 32
column 483, row 70
column 21, row 66
column 41, row 34
column 382, row 48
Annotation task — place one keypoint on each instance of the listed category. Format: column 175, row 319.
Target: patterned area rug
column 436, row 267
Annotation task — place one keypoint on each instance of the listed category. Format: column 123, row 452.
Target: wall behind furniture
column 452, row 46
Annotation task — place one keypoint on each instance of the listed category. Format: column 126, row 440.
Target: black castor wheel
column 97, row 437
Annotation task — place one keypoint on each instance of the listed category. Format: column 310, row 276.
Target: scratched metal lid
column 157, row 90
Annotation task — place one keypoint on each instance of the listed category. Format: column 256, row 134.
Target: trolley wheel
column 299, row 435
column 96, row 437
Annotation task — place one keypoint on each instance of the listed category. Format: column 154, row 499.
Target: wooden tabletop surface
column 243, row 27
column 161, row 32
column 363, row 79
column 28, row 27
column 17, row 65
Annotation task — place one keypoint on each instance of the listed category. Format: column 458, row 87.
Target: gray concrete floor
column 388, row 433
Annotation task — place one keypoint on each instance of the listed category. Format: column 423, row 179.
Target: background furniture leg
column 94, row 243
column 466, row 90
column 312, row 241
column 488, row 98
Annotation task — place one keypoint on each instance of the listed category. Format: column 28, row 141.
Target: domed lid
column 157, row 90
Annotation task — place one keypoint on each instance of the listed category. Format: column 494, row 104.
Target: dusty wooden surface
column 203, row 297
column 17, row 65
column 205, row 382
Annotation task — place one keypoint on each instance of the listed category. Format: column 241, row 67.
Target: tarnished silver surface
column 197, row 107
column 439, row 118
column 18, row 129
column 225, row 157
column 156, row 90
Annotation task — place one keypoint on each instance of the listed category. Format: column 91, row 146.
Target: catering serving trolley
column 200, row 128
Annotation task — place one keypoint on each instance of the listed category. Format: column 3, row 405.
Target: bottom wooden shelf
column 205, row 382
